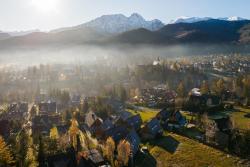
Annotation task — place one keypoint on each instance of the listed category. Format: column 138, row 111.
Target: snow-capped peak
column 136, row 16
column 119, row 23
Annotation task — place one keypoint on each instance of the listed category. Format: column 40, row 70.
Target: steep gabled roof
column 135, row 121
column 154, row 126
column 134, row 141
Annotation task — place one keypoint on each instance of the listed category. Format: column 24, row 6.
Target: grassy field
column 176, row 151
column 240, row 119
column 239, row 116
column 146, row 113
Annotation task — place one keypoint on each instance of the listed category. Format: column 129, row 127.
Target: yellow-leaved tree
column 6, row 158
column 109, row 149
column 54, row 135
column 31, row 155
column 73, row 132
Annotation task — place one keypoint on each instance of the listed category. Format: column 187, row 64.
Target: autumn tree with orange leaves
column 123, row 150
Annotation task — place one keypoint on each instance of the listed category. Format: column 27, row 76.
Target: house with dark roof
column 107, row 124
column 75, row 100
column 90, row 118
column 151, row 129
column 117, row 133
column 43, row 123
column 134, row 122
column 18, row 107
column 134, row 141
column 67, row 159
column 171, row 118
column 47, row 107
column 165, row 114
column 124, row 115
column 91, row 158
column 197, row 102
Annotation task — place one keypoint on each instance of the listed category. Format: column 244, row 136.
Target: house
column 171, row 118
column 48, row 107
column 124, row 115
column 134, row 141
column 117, row 133
column 96, row 128
column 151, row 129
column 18, row 107
column 115, row 104
column 43, row 123
column 13, row 107
column 67, row 159
column 40, row 124
column 76, row 100
column 177, row 120
column 157, row 96
column 13, row 115
column 212, row 101
column 134, row 122
column 165, row 114
column 23, row 107
column 107, row 124
column 93, row 122
column 197, row 102
column 91, row 158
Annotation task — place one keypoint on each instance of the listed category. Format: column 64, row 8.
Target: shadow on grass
column 145, row 160
column 168, row 143
column 247, row 115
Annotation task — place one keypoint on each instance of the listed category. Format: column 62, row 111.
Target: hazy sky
column 50, row 14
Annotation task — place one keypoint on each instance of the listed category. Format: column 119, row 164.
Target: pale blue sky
column 50, row 14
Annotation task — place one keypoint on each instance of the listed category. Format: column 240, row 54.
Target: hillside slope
column 176, row 151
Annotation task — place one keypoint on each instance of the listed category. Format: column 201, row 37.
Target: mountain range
column 197, row 19
column 118, row 23
column 113, row 29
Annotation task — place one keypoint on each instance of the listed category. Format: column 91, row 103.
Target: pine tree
column 22, row 147
column 41, row 153
column 6, row 158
